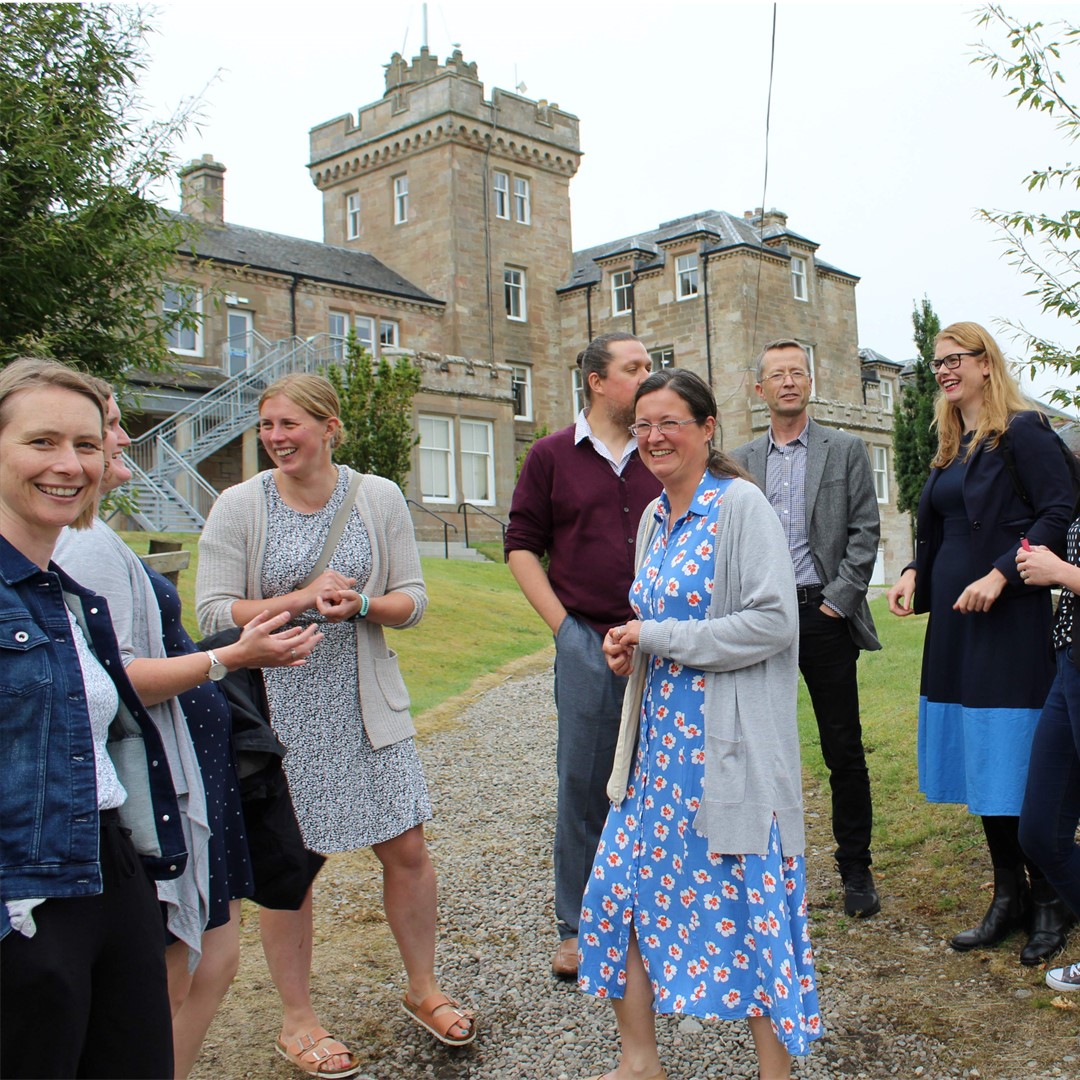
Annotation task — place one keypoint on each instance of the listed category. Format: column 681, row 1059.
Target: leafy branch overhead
column 1045, row 247
column 85, row 248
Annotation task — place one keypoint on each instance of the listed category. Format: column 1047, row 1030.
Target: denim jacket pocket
column 24, row 664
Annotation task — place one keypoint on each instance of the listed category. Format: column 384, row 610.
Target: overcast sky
column 884, row 138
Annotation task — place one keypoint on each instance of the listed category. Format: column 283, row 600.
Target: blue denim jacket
column 48, row 793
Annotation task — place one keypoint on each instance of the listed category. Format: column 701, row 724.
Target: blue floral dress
column 722, row 936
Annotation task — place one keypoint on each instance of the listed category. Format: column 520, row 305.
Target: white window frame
column 337, row 329
column 662, row 358
column 184, row 298
column 428, row 451
column 401, row 199
column 514, row 294
column 809, row 350
column 522, row 201
column 622, row 292
column 686, row 276
column 521, row 376
column 469, row 456
column 389, row 334
column 880, row 460
column 577, row 390
column 885, row 391
column 501, row 187
column 364, row 328
column 352, row 215
column 800, row 280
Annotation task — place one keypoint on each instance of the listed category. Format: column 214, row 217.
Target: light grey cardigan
column 100, row 560
column 748, row 649
column 231, row 554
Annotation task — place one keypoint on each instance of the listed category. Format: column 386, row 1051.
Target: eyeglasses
column 952, row 361
column 781, row 377
column 643, row 429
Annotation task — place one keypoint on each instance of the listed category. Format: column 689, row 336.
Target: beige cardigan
column 231, row 554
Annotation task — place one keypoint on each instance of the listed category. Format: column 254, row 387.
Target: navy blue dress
column 985, row 675
column 207, row 712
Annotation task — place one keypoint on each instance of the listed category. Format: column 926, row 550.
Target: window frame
column 880, row 468
column 885, row 390
column 526, row 384
column 450, row 498
column 577, row 390
column 489, row 456
column 502, row 194
column 188, row 298
column 522, row 200
column 393, row 340
column 369, row 342
column 800, row 278
column 687, row 275
column 352, row 215
column 401, row 199
column 515, row 295
column 618, row 285
column 659, row 356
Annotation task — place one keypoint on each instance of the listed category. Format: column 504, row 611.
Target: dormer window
column 622, row 292
column 799, row 284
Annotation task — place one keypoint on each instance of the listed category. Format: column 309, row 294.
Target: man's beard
column 621, row 416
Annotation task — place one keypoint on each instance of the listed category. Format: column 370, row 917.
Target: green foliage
column 914, row 443
column 84, row 250
column 376, row 409
column 539, row 433
column 1042, row 246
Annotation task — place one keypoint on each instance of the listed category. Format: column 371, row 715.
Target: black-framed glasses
column 643, row 429
column 952, row 361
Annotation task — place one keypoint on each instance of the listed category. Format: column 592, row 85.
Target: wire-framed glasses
column 643, row 428
column 778, row 378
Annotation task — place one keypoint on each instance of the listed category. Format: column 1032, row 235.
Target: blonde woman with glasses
column 999, row 482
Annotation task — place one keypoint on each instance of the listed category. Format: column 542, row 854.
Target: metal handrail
column 464, row 508
column 445, row 524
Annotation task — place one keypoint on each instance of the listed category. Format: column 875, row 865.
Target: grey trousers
column 588, row 699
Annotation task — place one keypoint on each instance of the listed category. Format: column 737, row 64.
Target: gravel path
column 493, row 781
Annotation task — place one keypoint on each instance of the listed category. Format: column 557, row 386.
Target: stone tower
column 466, row 197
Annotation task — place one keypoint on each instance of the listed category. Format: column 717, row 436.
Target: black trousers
column 87, row 995
column 828, row 660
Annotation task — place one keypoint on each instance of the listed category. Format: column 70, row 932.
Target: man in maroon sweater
column 578, row 500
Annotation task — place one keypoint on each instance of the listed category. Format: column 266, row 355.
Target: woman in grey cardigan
column 352, row 765
column 697, row 902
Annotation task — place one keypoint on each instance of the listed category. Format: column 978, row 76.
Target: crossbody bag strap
column 337, row 527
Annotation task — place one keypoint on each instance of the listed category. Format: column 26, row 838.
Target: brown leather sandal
column 310, row 1050
column 439, row 1014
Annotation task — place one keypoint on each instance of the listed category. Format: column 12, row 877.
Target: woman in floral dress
column 697, row 903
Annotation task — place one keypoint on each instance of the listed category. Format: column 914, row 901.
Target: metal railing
column 169, row 452
column 447, row 525
column 464, row 508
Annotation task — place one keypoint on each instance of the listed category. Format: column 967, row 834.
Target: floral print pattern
column 721, row 936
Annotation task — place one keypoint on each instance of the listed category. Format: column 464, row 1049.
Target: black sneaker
column 1064, row 978
column 861, row 898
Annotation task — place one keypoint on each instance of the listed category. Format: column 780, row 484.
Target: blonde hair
column 315, row 394
column 1002, row 397
column 29, row 373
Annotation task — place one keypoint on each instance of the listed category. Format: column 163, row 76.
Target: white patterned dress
column 347, row 794
column 722, row 936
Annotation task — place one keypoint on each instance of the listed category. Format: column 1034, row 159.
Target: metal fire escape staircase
column 172, row 495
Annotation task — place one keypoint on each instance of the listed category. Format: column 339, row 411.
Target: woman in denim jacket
column 86, row 782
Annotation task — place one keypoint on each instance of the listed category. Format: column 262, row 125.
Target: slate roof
column 309, row 259
column 872, row 356
column 720, row 230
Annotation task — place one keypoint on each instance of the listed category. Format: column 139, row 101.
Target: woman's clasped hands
column 262, row 642
column 619, row 645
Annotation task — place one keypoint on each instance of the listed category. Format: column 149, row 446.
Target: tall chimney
column 202, row 190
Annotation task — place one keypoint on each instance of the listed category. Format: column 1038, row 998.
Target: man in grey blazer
column 818, row 480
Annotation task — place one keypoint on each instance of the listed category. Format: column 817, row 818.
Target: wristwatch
column 218, row 670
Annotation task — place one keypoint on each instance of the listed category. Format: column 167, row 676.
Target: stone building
column 446, row 218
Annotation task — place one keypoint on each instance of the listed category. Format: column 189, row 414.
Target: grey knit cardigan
column 748, row 649
column 230, row 568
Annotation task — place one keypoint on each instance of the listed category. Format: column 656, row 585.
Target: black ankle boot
column 1008, row 911
column 1050, row 924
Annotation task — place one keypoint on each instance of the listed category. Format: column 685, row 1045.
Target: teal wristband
column 365, row 603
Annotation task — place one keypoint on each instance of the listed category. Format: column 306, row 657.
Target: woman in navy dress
column 998, row 478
